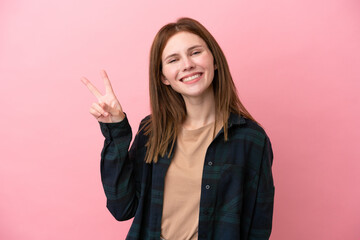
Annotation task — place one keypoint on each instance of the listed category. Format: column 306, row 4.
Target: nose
column 188, row 64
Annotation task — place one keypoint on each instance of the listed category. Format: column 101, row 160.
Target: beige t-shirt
column 182, row 190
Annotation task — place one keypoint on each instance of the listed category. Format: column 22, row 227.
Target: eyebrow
column 189, row 49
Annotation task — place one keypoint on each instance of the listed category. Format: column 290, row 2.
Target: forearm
column 117, row 170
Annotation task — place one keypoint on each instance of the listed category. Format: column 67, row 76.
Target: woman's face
column 188, row 65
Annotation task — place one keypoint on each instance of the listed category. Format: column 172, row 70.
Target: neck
column 200, row 110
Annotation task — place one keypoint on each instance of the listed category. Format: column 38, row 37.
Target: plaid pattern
column 237, row 193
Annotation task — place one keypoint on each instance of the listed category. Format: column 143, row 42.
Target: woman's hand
column 108, row 108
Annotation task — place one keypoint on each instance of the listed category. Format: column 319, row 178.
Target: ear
column 164, row 80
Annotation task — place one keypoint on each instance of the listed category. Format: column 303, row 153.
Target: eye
column 196, row 52
column 172, row 60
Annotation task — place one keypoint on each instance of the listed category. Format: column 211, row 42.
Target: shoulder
column 145, row 119
column 245, row 128
column 144, row 123
column 251, row 137
column 251, row 124
column 143, row 127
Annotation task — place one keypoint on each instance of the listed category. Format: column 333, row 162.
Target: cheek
column 210, row 66
column 207, row 61
column 169, row 73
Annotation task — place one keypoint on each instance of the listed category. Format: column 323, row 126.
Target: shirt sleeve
column 263, row 212
column 117, row 170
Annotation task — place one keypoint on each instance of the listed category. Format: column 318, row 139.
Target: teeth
column 190, row 78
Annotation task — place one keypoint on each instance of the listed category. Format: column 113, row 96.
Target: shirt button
column 207, row 186
column 210, row 163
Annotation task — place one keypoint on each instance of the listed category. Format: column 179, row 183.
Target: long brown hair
column 168, row 108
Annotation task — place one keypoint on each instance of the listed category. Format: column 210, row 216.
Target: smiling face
column 187, row 65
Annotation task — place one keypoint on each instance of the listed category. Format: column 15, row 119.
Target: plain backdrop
column 296, row 65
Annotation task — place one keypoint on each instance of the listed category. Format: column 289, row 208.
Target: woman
column 200, row 165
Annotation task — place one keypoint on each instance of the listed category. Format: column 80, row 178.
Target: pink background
column 296, row 65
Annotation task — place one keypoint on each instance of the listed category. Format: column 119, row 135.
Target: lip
column 194, row 80
column 191, row 74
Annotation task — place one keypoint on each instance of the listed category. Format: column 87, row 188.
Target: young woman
column 200, row 165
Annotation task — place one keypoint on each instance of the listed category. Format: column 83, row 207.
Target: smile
column 191, row 78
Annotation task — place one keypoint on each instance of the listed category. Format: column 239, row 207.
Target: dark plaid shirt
column 237, row 190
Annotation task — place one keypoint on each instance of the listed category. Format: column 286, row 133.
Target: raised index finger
column 107, row 83
column 91, row 87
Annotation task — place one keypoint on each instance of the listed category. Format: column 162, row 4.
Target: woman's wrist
column 118, row 118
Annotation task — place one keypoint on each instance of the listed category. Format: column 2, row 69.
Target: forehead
column 181, row 41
